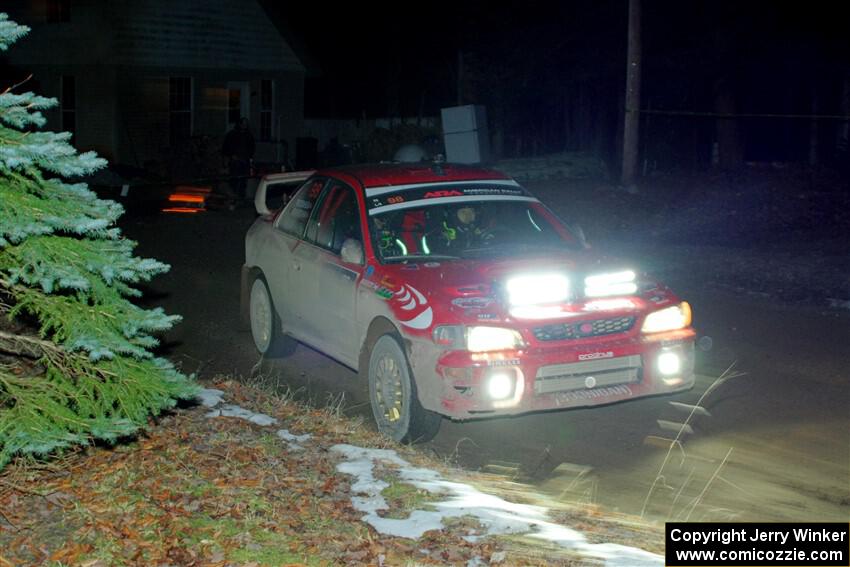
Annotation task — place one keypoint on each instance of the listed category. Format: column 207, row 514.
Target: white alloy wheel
column 392, row 393
column 262, row 316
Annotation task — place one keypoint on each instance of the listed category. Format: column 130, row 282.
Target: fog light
column 669, row 363
column 500, row 386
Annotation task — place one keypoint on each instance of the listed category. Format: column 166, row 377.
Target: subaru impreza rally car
column 455, row 292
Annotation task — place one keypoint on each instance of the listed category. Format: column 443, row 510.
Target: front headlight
column 482, row 339
column 668, row 319
column 477, row 339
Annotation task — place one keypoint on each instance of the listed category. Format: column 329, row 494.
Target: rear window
column 294, row 217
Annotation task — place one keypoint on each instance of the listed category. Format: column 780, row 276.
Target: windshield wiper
column 416, row 257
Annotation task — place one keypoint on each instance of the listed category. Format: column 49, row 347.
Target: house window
column 58, row 11
column 266, row 109
column 180, row 108
column 68, row 105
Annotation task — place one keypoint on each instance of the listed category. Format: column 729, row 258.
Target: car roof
column 390, row 174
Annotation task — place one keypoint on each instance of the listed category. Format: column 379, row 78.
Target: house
column 146, row 80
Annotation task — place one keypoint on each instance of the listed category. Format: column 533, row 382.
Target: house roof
column 215, row 34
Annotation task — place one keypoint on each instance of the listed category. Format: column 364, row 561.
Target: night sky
column 376, row 60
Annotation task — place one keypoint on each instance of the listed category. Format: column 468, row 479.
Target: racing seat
column 412, row 229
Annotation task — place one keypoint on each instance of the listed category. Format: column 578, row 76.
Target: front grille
column 588, row 374
column 582, row 329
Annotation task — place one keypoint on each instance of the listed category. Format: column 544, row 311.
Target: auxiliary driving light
column 500, row 386
column 669, row 363
column 538, row 289
column 617, row 283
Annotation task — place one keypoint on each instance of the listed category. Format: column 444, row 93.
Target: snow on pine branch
column 10, row 32
column 22, row 110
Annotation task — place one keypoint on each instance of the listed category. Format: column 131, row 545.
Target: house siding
column 123, row 53
column 143, row 126
column 95, row 106
column 96, row 118
column 143, row 103
column 85, row 40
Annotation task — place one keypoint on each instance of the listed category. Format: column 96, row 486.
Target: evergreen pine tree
column 75, row 360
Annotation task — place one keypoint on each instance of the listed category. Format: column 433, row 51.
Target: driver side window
column 335, row 219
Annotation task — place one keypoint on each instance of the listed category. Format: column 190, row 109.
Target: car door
column 332, row 310
column 283, row 266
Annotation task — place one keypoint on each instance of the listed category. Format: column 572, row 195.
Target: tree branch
column 16, row 85
column 23, row 345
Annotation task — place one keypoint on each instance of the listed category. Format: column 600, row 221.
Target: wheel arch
column 379, row 327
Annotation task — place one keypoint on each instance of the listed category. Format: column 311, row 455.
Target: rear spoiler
column 274, row 179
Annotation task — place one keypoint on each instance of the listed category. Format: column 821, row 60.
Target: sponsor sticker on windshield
column 430, row 194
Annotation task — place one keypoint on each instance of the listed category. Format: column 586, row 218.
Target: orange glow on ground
column 186, row 210
column 186, row 198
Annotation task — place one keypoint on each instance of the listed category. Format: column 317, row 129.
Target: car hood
column 472, row 290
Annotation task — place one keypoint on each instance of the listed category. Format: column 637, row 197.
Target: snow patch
column 293, row 441
column 496, row 515
column 230, row 410
column 210, row 397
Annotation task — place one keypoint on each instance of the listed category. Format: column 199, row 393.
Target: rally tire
column 393, row 397
column 265, row 322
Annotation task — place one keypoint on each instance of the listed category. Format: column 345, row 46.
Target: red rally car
column 455, row 292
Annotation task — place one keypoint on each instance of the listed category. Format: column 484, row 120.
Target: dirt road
column 776, row 445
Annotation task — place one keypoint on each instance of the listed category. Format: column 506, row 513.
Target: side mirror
column 352, row 251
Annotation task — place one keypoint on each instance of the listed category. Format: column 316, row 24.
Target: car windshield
column 466, row 228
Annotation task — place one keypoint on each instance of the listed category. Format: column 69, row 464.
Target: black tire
column 265, row 322
column 393, row 397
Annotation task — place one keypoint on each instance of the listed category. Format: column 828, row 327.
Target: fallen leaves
column 222, row 492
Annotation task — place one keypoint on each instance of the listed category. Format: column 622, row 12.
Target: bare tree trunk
column 813, row 130
column 729, row 150
column 842, row 143
column 569, row 139
column 583, row 117
column 632, row 110
column 459, row 77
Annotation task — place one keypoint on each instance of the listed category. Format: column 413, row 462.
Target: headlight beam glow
column 668, row 319
column 484, row 339
column 538, row 289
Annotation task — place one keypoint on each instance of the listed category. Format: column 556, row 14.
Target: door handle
column 296, row 267
column 343, row 272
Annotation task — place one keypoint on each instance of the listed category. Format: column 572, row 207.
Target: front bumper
column 546, row 378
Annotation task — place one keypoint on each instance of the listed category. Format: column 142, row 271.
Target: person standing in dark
column 238, row 150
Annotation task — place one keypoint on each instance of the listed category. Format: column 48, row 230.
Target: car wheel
column 392, row 393
column 265, row 323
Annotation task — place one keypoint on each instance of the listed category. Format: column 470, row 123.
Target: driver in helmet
column 463, row 229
